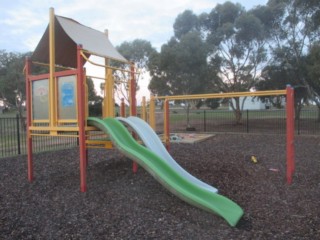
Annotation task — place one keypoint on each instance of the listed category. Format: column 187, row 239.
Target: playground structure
column 57, row 104
column 57, row 101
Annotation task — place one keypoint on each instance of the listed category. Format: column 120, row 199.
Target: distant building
column 251, row 103
column 1, row 105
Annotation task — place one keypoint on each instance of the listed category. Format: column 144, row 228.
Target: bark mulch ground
column 123, row 205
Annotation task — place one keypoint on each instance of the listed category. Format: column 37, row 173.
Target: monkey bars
column 288, row 92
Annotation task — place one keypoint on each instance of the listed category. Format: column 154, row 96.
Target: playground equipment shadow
column 123, row 205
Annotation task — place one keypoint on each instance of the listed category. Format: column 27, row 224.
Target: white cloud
column 126, row 20
column 21, row 22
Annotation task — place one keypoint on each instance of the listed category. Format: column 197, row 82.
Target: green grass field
column 269, row 120
column 180, row 114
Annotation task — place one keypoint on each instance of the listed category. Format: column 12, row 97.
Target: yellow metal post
column 104, row 114
column 110, row 97
column 152, row 107
column 86, row 100
column 112, row 93
column 52, row 86
column 143, row 109
column 108, row 102
column 166, row 127
column 105, row 91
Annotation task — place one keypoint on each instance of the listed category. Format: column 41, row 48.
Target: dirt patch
column 188, row 137
column 123, row 205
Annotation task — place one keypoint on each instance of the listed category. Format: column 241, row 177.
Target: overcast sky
column 23, row 22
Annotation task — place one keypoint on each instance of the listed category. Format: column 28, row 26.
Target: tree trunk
column 237, row 111
column 188, row 115
column 298, row 110
column 238, row 115
column 318, row 113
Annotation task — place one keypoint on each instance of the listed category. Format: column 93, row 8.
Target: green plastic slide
column 165, row 174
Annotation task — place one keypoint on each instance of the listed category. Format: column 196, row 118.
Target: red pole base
column 134, row 167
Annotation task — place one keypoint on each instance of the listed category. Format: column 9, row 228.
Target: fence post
column 247, row 125
column 18, row 133
column 204, row 121
column 299, row 123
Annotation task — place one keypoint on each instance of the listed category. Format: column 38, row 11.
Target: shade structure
column 68, row 34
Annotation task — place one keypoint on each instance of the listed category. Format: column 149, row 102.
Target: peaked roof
column 69, row 34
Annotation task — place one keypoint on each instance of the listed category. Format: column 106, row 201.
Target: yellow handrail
column 103, row 65
column 222, row 95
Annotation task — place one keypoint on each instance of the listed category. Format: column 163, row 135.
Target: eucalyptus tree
column 95, row 101
column 237, row 41
column 12, row 80
column 139, row 52
column 313, row 68
column 275, row 77
column 186, row 22
column 181, row 67
column 294, row 30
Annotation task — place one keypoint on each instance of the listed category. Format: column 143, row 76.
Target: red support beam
column 56, row 74
column 133, row 104
column 81, row 120
column 133, row 88
column 122, row 108
column 290, row 134
column 28, row 106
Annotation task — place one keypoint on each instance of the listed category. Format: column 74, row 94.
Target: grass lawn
column 180, row 114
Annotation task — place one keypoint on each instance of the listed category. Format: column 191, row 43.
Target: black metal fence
column 252, row 121
column 13, row 133
column 13, row 139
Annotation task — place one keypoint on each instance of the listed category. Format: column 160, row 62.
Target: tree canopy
column 237, row 48
column 12, row 83
column 266, row 47
column 293, row 30
column 182, row 66
column 139, row 52
column 222, row 51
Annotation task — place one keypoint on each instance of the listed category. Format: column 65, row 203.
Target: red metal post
column 122, row 108
column 133, row 100
column 28, row 106
column 133, row 103
column 81, row 120
column 290, row 133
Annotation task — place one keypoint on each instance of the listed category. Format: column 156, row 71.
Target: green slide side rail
column 167, row 176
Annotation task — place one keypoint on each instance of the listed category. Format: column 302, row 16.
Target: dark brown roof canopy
column 69, row 34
